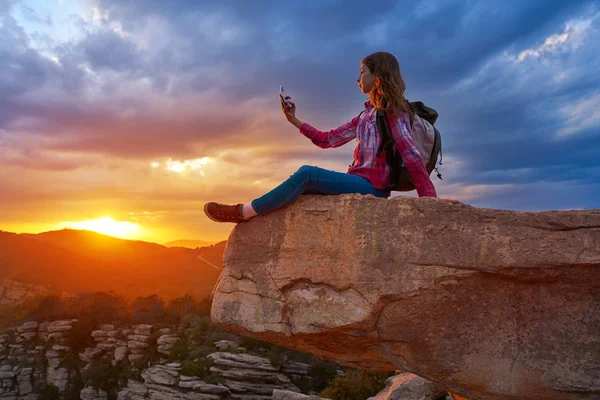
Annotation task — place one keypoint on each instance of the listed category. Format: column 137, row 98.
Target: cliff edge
column 489, row 304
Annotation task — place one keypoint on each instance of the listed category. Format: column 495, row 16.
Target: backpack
column 428, row 142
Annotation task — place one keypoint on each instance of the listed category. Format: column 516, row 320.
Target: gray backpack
column 427, row 140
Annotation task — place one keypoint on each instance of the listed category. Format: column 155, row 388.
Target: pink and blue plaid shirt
column 366, row 163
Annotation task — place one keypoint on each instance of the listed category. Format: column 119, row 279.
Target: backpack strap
column 387, row 143
column 383, row 127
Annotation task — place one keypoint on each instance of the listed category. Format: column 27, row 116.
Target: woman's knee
column 305, row 171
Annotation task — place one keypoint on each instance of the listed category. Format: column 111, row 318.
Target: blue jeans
column 313, row 180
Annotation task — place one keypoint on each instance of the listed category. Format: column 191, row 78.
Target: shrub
column 300, row 356
column 50, row 308
column 140, row 364
column 204, row 364
column 322, row 373
column 356, row 385
column 180, row 351
column 274, row 355
column 153, row 338
column 303, row 384
column 148, row 310
column 203, row 307
column 201, row 351
column 71, row 361
column 48, row 392
column 74, row 388
column 214, row 379
column 252, row 344
column 191, row 369
column 81, row 332
column 198, row 333
column 103, row 375
column 181, row 306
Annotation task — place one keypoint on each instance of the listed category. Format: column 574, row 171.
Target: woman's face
column 366, row 80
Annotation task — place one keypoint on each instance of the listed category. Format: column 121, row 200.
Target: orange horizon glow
column 108, row 226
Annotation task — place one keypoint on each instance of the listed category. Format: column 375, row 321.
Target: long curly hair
column 388, row 95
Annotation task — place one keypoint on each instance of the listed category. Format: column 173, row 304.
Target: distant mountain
column 74, row 261
column 190, row 244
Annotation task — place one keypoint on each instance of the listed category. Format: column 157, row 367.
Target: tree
column 148, row 310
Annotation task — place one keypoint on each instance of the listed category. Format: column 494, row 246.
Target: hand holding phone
column 284, row 98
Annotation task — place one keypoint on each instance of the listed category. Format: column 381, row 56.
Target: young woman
column 380, row 78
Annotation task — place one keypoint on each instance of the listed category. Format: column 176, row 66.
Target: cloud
column 107, row 49
column 582, row 116
column 145, row 81
column 526, row 106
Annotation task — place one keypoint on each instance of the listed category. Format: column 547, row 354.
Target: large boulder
column 486, row 303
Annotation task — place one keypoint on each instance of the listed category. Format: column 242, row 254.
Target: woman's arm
column 333, row 138
column 413, row 161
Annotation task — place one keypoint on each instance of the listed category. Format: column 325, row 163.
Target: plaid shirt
column 366, row 163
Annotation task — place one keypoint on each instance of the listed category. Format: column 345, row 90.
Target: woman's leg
column 309, row 179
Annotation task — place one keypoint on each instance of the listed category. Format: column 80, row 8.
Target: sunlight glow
column 97, row 14
column 183, row 166
column 105, row 226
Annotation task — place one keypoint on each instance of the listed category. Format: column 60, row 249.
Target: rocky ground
column 38, row 355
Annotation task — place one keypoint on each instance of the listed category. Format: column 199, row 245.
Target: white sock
column 248, row 212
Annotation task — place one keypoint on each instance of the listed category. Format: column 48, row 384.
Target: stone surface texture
column 279, row 394
column 489, row 304
column 409, row 387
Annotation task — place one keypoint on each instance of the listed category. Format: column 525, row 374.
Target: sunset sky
column 134, row 113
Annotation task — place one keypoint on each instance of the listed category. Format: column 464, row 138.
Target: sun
column 106, row 226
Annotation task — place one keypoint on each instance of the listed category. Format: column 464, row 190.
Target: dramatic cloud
column 106, row 105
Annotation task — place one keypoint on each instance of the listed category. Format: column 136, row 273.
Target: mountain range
column 76, row 261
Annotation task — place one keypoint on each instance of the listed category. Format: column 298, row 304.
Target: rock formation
column 409, row 387
column 252, row 375
column 31, row 354
column 489, row 304
column 279, row 394
column 247, row 377
column 90, row 393
column 14, row 292
column 35, row 354
column 164, row 381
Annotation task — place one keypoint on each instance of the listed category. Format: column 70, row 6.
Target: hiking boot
column 224, row 213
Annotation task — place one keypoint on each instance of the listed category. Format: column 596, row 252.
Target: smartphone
column 283, row 97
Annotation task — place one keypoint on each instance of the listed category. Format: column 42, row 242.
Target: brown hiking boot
column 224, row 213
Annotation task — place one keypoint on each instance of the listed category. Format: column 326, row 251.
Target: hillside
column 75, row 261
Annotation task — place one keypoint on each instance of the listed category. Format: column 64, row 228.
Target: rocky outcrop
column 13, row 292
column 120, row 343
column 409, row 387
column 36, row 354
column 15, row 382
column 166, row 341
column 486, row 303
column 252, row 375
column 108, row 340
column 138, row 340
column 90, row 393
column 245, row 376
column 279, row 394
column 226, row 344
